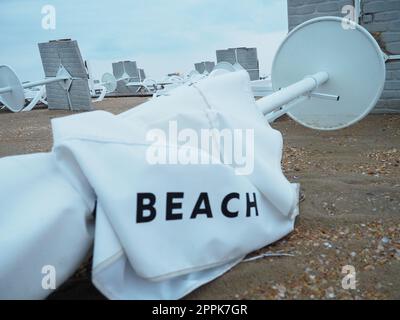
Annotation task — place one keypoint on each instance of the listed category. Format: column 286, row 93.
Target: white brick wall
column 381, row 18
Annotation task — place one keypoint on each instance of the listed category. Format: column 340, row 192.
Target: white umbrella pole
column 292, row 92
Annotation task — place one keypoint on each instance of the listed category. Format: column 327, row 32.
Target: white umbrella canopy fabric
column 171, row 214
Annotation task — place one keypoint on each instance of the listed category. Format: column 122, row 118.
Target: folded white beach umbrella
column 199, row 220
column 174, row 208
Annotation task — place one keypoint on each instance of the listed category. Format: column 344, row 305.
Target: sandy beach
column 350, row 211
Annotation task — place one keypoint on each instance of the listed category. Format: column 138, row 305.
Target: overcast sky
column 163, row 36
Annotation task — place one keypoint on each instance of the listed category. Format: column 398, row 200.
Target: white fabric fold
column 101, row 157
column 44, row 221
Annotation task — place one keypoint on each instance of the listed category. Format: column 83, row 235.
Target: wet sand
column 350, row 213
